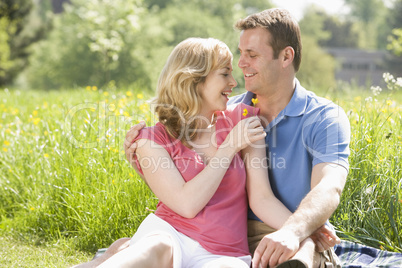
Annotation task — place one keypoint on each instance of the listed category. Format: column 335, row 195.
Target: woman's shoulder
column 156, row 133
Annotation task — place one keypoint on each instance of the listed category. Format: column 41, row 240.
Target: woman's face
column 216, row 89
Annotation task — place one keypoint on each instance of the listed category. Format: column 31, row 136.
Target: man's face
column 260, row 69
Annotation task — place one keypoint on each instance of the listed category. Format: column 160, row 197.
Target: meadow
column 65, row 183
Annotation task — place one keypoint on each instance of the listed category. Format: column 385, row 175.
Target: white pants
column 186, row 251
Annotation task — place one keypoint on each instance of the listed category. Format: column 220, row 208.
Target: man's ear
column 288, row 54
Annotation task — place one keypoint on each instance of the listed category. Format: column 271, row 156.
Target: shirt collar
column 298, row 103
column 296, row 106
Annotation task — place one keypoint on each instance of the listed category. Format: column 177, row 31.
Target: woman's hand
column 246, row 132
column 324, row 238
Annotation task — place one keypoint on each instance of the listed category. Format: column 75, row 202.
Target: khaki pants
column 257, row 230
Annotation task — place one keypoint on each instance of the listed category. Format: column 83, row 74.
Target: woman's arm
column 261, row 199
column 189, row 198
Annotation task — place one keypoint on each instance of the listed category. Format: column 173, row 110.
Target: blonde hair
column 178, row 101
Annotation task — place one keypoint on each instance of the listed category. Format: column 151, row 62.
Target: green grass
column 64, row 179
column 14, row 253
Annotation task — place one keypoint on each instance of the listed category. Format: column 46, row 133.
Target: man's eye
column 253, row 56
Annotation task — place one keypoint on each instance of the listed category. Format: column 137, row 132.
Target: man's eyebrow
column 247, row 50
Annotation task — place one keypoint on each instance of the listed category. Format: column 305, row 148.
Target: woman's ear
column 288, row 55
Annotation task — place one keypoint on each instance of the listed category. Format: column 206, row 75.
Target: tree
column 16, row 35
column 91, row 44
column 370, row 16
column 342, row 33
column 317, row 67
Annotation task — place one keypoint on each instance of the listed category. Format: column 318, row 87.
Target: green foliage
column 92, row 43
column 371, row 205
column 317, row 67
column 16, row 35
column 64, row 179
column 395, row 42
column 370, row 17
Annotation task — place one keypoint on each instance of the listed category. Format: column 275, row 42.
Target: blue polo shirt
column 310, row 130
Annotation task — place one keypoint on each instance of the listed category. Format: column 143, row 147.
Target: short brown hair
column 284, row 29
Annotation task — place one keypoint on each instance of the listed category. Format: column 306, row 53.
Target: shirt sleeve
column 329, row 136
column 156, row 134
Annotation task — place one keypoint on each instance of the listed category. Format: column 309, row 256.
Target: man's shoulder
column 315, row 102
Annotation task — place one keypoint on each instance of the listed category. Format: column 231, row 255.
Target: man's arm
column 327, row 182
column 130, row 146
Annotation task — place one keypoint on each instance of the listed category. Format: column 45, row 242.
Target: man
column 308, row 144
column 308, row 139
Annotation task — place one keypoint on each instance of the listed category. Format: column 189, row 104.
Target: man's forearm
column 319, row 204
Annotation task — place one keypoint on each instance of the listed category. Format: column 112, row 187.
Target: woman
column 191, row 160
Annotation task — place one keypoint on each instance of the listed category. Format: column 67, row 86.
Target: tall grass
column 64, row 177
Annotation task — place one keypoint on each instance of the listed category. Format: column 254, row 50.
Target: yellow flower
column 35, row 113
column 254, row 101
column 5, row 149
column 113, row 181
column 88, row 88
column 140, row 96
column 106, row 93
column 368, row 140
column 46, row 155
column 94, row 88
column 245, row 112
column 6, row 143
column 129, row 94
column 36, row 121
column 32, row 208
column 389, row 102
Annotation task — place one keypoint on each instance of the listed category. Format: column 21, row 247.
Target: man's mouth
column 250, row 75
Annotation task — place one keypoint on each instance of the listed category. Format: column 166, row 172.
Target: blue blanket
column 354, row 255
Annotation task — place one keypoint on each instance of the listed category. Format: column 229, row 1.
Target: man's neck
column 274, row 101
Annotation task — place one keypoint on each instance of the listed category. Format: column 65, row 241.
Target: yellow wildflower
column 36, row 121
column 106, row 93
column 6, row 143
column 389, row 102
column 88, row 88
column 254, row 101
column 140, row 96
column 129, row 94
column 46, row 155
column 35, row 113
column 245, row 112
column 32, row 208
column 368, row 140
column 5, row 149
column 94, row 88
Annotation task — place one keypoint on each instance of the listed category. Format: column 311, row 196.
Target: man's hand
column 275, row 248
column 129, row 145
column 324, row 238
